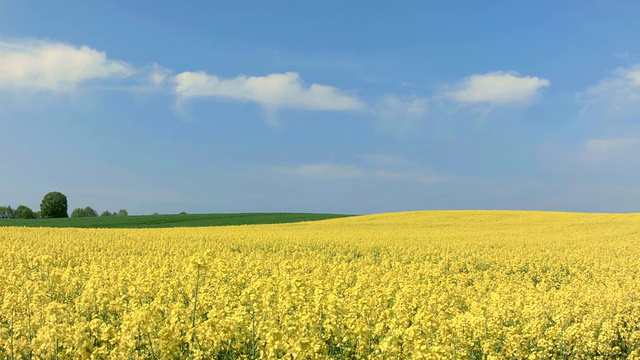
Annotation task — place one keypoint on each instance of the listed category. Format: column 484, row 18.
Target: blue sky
column 333, row 106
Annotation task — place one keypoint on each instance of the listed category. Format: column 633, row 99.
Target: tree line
column 53, row 205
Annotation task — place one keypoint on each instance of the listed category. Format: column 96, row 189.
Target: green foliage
column 24, row 212
column 86, row 212
column 123, row 212
column 106, row 213
column 6, row 212
column 54, row 205
column 159, row 221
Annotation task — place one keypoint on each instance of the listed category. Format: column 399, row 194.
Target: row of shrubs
column 89, row 212
column 21, row 212
column 24, row 212
column 53, row 205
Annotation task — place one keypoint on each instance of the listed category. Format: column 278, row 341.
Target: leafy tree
column 183, row 213
column 155, row 213
column 6, row 212
column 89, row 212
column 37, row 215
column 106, row 213
column 86, row 212
column 24, row 212
column 77, row 212
column 123, row 212
column 54, row 205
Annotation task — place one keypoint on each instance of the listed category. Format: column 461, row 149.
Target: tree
column 54, row 205
column 24, row 212
column 6, row 212
column 86, row 212
column 106, row 213
column 77, row 212
column 123, row 212
column 89, row 212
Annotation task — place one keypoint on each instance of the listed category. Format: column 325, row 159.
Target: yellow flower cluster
column 421, row 285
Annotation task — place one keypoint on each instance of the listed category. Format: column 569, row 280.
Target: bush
column 123, row 212
column 6, row 212
column 86, row 212
column 24, row 212
column 106, row 213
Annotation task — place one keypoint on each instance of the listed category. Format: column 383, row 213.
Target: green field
column 160, row 221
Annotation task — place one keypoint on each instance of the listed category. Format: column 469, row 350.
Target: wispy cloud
column 321, row 171
column 273, row 91
column 416, row 175
column 393, row 106
column 605, row 160
column 158, row 76
column 50, row 66
column 400, row 115
column 497, row 88
column 381, row 159
column 610, row 150
column 387, row 171
column 617, row 95
column 609, row 145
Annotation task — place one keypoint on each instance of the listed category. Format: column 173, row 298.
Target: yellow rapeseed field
column 421, row 285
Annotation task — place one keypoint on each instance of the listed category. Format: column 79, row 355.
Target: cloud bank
column 497, row 88
column 273, row 91
column 40, row 65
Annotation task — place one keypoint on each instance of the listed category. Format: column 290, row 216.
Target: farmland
column 433, row 284
column 170, row 220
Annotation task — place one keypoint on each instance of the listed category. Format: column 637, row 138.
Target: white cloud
column 40, row 65
column 272, row 91
column 634, row 77
column 158, row 75
column 497, row 88
column 615, row 95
